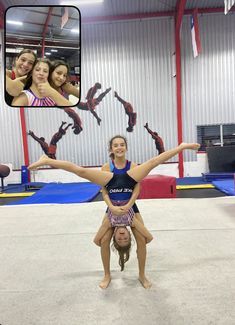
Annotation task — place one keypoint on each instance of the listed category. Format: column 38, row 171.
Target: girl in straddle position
column 119, row 165
column 118, row 183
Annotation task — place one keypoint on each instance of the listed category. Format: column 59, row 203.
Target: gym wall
column 135, row 58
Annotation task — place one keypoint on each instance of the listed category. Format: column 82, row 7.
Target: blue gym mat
column 225, row 185
column 62, row 193
column 191, row 181
column 19, row 188
column 216, row 176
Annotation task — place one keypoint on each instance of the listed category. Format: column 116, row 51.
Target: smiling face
column 24, row 64
column 59, row 75
column 40, row 72
column 122, row 236
column 118, row 147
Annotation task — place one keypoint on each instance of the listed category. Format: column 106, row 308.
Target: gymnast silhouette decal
column 158, row 140
column 129, row 111
column 77, row 123
column 91, row 102
column 50, row 150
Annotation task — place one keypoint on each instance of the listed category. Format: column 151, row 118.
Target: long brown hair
column 111, row 155
column 123, row 252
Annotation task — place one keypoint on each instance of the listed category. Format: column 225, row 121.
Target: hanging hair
column 123, row 252
column 111, row 155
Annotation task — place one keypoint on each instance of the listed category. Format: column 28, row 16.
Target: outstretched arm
column 71, row 90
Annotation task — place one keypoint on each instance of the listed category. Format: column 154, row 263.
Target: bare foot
column 105, row 282
column 145, row 282
column 41, row 162
column 193, row 146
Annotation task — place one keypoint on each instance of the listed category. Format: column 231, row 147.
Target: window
column 216, row 135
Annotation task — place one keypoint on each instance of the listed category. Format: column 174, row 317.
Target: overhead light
column 80, row 2
column 75, row 31
column 84, row 2
column 13, row 22
column 52, row 50
column 48, row 53
column 13, row 50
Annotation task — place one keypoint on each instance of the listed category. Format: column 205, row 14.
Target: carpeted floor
column 50, row 269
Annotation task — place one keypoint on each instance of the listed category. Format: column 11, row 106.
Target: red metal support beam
column 178, row 21
column 170, row 13
column 24, row 136
column 2, row 13
column 45, row 29
column 180, row 7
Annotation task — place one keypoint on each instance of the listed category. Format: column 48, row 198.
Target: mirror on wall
column 42, row 55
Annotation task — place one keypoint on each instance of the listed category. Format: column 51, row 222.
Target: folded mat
column 62, row 193
column 191, row 181
column 226, row 186
column 216, row 176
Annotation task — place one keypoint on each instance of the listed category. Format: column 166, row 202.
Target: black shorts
column 134, row 207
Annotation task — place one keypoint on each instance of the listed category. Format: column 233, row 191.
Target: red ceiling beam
column 47, row 22
column 45, row 29
column 170, row 13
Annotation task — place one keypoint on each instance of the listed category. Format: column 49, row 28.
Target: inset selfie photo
column 42, row 56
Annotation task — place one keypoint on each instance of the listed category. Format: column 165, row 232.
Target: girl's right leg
column 141, row 171
column 105, row 256
column 96, row 176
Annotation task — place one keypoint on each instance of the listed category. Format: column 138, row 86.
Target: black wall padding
column 221, row 159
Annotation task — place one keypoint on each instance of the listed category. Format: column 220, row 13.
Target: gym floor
column 187, row 193
column 51, row 269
